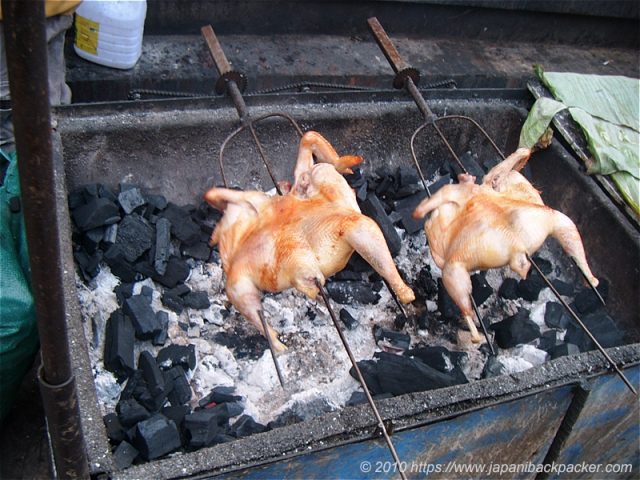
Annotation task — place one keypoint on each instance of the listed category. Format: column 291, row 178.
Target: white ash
column 315, row 365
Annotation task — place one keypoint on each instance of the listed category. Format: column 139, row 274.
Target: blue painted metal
column 515, row 432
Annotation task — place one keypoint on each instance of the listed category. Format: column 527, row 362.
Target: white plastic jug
column 109, row 32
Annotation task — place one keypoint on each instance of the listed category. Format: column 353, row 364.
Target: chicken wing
column 500, row 222
column 290, row 241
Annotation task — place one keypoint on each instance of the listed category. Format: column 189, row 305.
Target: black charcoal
column 530, row 288
column 135, row 236
column 131, row 386
column 201, row 428
column 176, row 413
column 515, row 330
column 158, row 202
column 96, row 213
column 347, row 275
column 400, row 321
column 118, row 345
column 143, row 317
column 369, row 372
column 556, row 316
column 161, row 337
column 120, row 267
column 586, row 301
column 123, row 291
column 563, row 288
column 177, row 272
column 405, row 208
column 390, row 339
column 156, row 437
column 246, row 425
column 350, row 292
column 182, row 226
column 438, row 184
column 220, row 394
column 180, row 392
column 110, row 234
column 173, row 302
column 163, row 245
column 131, row 199
column 131, row 412
column 89, row 264
column 493, row 368
column 92, row 238
column 509, row 289
column 347, row 319
column 124, row 455
column 601, row 326
column 548, row 341
column 438, row 357
column 199, row 251
column 425, row 286
column 224, row 411
column 446, row 306
column 174, row 355
column 423, row 320
column 563, row 350
column 471, row 165
column 151, row 373
column 115, row 430
column 197, row 300
column 147, row 291
column 480, row 288
column 374, row 209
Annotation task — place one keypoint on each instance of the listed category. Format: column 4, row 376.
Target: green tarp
column 608, row 112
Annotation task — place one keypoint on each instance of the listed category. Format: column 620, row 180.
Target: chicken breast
column 290, row 241
column 477, row 227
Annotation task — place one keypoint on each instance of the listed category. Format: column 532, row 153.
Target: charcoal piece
column 446, row 306
column 347, row 319
column 586, row 301
column 201, row 427
column 509, row 289
column 493, row 368
column 123, row 291
column 425, row 286
column 358, row 264
column 197, row 300
column 153, row 403
column 385, row 185
column 246, row 425
column 131, row 386
column 543, row 264
column 391, row 339
column 158, row 202
column 91, row 239
column 515, row 330
column 405, row 208
column 243, row 346
column 182, row 226
column 438, row 184
column 409, row 203
column 174, row 355
column 219, row 395
column 438, row 357
column 156, row 437
column 89, row 264
column 131, row 412
column 471, row 165
column 481, row 290
column 369, row 372
column 147, row 292
column 179, row 290
column 556, row 316
column 161, row 337
column 406, row 176
column 96, row 213
column 355, row 179
column 350, row 292
column 374, row 209
column 400, row 321
column 176, row 413
column 118, row 345
column 423, row 320
column 163, row 245
column 151, row 373
column 124, row 455
column 224, row 411
column 563, row 350
column 529, row 289
column 143, row 317
column 131, row 199
column 173, row 302
column 76, row 198
column 120, row 267
column 601, row 326
column 180, row 392
column 115, row 430
column 135, row 236
column 563, row 288
column 399, row 374
column 548, row 341
column 110, row 234
column 347, row 275
column 177, row 272
column 199, row 251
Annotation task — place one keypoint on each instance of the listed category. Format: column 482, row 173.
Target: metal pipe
column 26, row 51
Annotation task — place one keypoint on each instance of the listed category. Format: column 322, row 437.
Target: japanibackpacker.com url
column 493, row 468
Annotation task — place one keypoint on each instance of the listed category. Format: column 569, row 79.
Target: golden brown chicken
column 275, row 243
column 500, row 222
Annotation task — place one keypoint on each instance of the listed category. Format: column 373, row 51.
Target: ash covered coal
column 177, row 368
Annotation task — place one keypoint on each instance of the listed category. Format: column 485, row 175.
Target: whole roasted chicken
column 272, row 243
column 500, row 222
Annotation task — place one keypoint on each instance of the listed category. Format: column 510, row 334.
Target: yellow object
column 56, row 7
column 87, row 34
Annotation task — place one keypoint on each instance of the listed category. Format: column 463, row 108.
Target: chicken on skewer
column 290, row 241
column 500, row 222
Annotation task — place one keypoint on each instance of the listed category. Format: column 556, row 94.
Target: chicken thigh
column 500, row 222
column 275, row 243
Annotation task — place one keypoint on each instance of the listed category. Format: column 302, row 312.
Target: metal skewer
column 273, row 353
column 595, row 290
column 361, row 379
column 583, row 326
column 484, row 328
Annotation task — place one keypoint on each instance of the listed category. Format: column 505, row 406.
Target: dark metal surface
column 25, row 41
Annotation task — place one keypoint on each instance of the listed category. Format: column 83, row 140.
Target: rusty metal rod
column 361, row 379
column 26, row 51
column 583, row 326
column 484, row 328
column 270, row 342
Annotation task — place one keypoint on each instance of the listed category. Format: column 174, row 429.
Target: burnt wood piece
column 130, row 199
column 135, row 236
column 151, row 373
column 349, row 292
column 130, row 412
column 246, row 425
column 124, row 455
column 174, row 355
column 373, row 208
column 515, row 330
column 118, row 345
column 156, row 437
column 144, row 319
column 96, row 213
